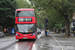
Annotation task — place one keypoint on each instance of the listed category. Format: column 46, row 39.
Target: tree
column 64, row 8
column 23, row 4
column 7, row 9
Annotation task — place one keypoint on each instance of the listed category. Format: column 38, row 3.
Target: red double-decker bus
column 26, row 23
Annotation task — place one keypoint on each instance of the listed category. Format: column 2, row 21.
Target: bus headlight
column 33, row 34
column 17, row 34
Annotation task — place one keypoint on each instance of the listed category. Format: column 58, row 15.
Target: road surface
column 52, row 42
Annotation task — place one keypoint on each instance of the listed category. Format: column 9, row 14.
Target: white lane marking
column 46, row 46
column 58, row 43
column 42, row 45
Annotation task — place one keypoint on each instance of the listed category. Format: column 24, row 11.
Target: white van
column 38, row 31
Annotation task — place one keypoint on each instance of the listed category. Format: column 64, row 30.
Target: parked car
column 1, row 34
column 38, row 31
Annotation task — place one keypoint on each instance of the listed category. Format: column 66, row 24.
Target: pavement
column 71, row 34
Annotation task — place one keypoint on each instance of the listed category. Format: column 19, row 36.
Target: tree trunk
column 67, row 26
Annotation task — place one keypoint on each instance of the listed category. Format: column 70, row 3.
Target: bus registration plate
column 25, row 38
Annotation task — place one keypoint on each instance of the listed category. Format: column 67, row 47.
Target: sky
column 28, row 1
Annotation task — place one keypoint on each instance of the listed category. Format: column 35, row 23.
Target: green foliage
column 58, row 26
column 23, row 4
column 7, row 9
column 55, row 10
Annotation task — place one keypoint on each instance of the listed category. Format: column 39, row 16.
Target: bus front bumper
column 29, row 37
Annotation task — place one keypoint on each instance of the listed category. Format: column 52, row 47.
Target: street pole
column 46, row 25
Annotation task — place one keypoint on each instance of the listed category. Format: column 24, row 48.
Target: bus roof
column 25, row 9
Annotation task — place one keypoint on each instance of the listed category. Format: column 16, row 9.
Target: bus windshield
column 25, row 28
column 24, row 13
